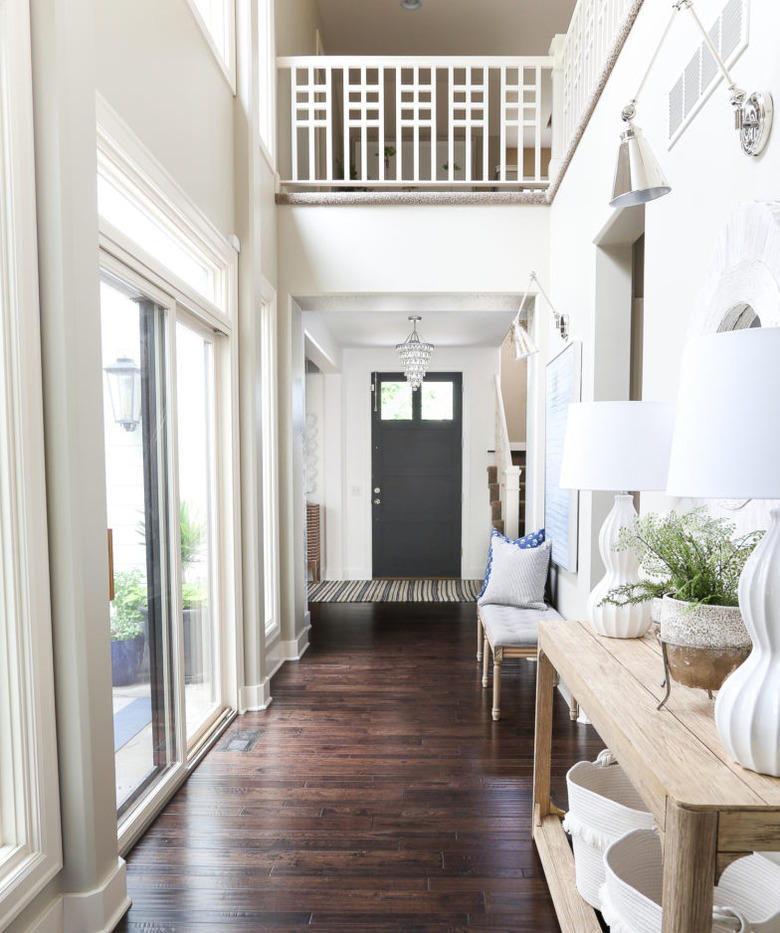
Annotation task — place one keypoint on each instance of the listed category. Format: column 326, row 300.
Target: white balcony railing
column 411, row 123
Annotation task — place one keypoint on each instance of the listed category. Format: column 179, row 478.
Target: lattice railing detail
column 418, row 122
column 468, row 106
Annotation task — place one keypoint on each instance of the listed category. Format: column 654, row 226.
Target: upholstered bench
column 506, row 632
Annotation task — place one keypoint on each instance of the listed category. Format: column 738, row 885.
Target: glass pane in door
column 437, row 401
column 395, row 401
column 195, row 431
column 134, row 412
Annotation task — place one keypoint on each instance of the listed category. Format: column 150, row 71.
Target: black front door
column 416, row 441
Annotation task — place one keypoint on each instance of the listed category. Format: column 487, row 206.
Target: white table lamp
column 727, row 445
column 619, row 447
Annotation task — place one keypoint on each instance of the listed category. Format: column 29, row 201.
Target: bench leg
column 497, row 658
column 574, row 707
column 485, row 661
column 479, row 638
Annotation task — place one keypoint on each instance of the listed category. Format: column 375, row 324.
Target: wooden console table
column 709, row 810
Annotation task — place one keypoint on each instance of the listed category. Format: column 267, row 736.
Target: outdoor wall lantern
column 638, row 176
column 124, row 389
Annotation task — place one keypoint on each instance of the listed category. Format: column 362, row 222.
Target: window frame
column 266, row 81
column 146, row 181
column 269, row 463
column 226, row 58
column 29, row 791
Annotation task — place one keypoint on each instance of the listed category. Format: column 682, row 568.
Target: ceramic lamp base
column 747, row 708
column 630, row 621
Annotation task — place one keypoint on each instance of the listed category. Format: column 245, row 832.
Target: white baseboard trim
column 294, row 650
column 356, row 573
column 97, row 911
column 50, row 921
column 254, row 697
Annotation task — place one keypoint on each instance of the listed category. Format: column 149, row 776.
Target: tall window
column 267, row 78
column 167, row 312
column 217, row 19
column 30, row 849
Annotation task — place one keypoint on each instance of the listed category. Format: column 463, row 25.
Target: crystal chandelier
column 415, row 355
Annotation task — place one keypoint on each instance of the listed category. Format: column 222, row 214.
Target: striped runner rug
column 394, row 591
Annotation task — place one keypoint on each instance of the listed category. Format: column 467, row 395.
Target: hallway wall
column 348, row 512
column 709, row 176
column 406, row 249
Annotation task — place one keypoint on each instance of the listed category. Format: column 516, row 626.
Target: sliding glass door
column 196, row 475
column 159, row 367
column 138, row 495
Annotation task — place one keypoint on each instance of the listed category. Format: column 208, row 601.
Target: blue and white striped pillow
column 532, row 540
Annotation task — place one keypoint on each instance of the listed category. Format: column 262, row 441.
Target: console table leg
column 545, row 687
column 689, row 869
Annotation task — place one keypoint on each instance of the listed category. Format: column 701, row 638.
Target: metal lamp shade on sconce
column 638, row 176
column 522, row 343
column 124, row 388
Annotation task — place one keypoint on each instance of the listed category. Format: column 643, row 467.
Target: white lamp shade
column 726, row 440
column 617, row 445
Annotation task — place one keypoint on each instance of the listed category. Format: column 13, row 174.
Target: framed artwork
column 562, row 386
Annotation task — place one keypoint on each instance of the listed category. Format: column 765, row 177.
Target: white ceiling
column 443, row 27
column 382, row 320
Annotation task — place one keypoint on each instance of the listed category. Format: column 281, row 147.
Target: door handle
column 377, row 502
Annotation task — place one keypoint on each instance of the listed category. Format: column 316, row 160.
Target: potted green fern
column 693, row 560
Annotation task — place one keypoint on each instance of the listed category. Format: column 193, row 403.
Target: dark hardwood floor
column 379, row 796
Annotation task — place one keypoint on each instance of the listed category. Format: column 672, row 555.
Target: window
column 167, row 312
column 267, row 78
column 30, row 850
column 437, row 401
column 217, row 19
column 270, row 446
column 395, row 401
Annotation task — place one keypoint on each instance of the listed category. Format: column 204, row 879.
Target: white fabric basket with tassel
column 603, row 805
column 750, row 888
column 747, row 900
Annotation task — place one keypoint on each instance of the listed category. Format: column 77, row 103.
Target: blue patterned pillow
column 532, row 540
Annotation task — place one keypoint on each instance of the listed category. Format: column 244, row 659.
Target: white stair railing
column 411, row 123
column 595, row 36
column 508, row 474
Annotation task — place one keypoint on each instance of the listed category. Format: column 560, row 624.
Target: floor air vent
column 241, row 740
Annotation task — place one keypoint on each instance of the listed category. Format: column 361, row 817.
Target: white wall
column 348, row 495
column 155, row 68
column 378, row 249
column 709, row 176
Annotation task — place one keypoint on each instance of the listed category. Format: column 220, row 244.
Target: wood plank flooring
column 379, row 796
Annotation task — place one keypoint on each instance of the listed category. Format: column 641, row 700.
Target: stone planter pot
column 703, row 644
column 126, row 658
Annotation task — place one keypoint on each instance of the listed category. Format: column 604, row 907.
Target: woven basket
column 603, row 805
column 747, row 900
column 750, row 888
